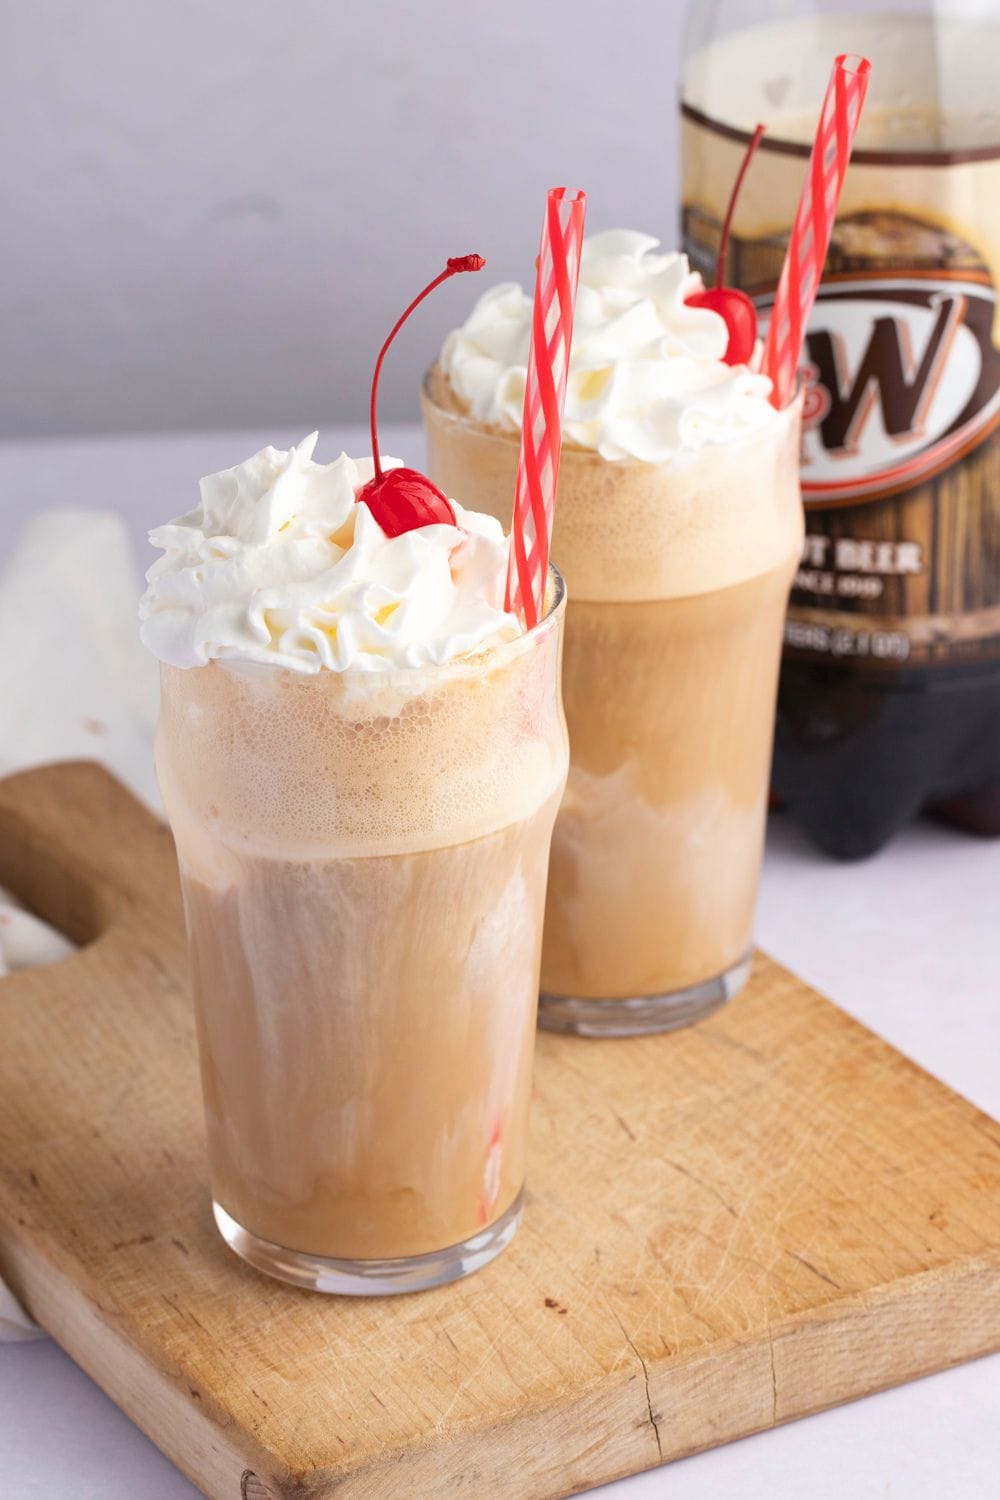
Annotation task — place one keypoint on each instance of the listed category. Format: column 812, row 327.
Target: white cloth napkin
column 24, row 940
column 74, row 684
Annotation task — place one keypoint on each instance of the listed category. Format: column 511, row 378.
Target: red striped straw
column 558, row 271
column 810, row 237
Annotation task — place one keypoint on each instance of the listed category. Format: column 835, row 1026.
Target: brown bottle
column 890, row 686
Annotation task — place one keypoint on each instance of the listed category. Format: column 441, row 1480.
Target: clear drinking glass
column 678, row 576
column 363, row 857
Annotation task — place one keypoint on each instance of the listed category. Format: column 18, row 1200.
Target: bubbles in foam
column 627, row 531
column 342, row 764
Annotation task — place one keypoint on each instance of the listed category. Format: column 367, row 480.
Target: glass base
column 640, row 1015
column 370, row 1278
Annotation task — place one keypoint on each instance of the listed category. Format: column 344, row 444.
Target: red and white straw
column 544, row 397
column 810, row 237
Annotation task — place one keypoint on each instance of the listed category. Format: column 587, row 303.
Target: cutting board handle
column 68, row 845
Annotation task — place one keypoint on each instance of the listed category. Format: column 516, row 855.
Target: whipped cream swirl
column 279, row 564
column 647, row 378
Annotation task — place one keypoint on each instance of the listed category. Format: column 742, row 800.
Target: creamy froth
column 627, row 531
column 279, row 564
column 647, row 378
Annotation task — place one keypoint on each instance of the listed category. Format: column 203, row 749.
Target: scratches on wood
column 139, row 1239
column 707, row 1186
column 645, row 1378
column 624, row 1125
column 814, row 1269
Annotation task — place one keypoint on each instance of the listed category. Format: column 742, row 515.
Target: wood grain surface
column 726, row 1228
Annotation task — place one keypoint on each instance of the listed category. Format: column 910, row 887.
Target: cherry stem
column 456, row 264
column 720, row 261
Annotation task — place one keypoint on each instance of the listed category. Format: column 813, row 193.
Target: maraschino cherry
column 733, row 306
column 403, row 499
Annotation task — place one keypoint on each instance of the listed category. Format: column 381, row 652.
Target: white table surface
column 909, row 942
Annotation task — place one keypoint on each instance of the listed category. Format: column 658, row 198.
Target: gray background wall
column 214, row 209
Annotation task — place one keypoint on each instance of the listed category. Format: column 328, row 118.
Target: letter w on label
column 890, row 375
column 901, row 378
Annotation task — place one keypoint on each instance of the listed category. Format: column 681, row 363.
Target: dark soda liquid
column 856, row 755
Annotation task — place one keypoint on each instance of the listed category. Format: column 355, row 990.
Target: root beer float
column 361, row 751
column 678, row 530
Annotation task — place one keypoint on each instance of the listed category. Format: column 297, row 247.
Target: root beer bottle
column 890, row 686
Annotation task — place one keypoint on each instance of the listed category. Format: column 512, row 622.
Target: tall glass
column 678, row 575
column 363, row 857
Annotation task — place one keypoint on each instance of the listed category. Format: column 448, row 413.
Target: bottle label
column 901, row 419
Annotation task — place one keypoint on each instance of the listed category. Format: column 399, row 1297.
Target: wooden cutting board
column 725, row 1229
